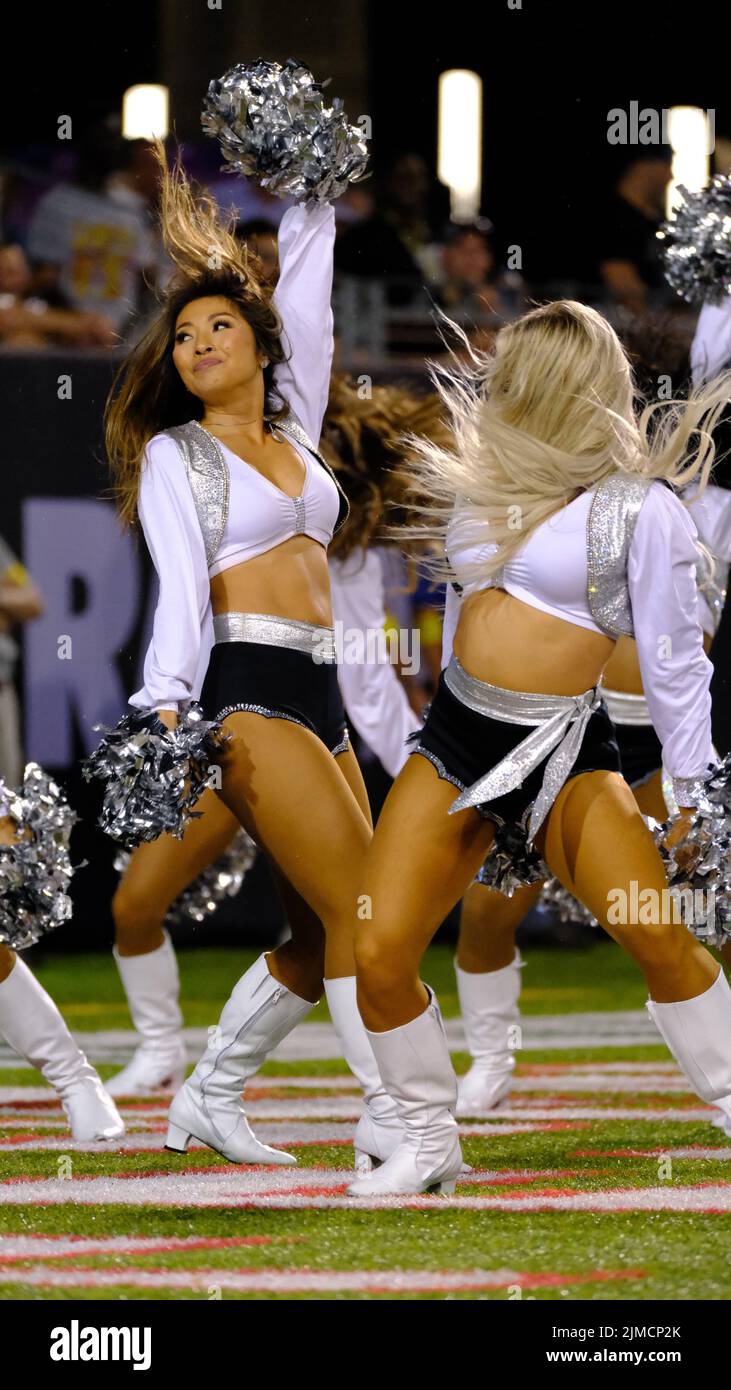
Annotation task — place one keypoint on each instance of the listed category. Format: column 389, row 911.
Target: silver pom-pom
column 36, row 868
column 558, row 900
column 696, row 243
column 699, row 865
column 153, row 775
column 511, row 863
column 272, row 125
column 220, row 880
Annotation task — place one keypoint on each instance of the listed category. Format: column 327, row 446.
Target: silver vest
column 208, row 476
column 610, row 527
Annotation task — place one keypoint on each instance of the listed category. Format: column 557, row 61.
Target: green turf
column 554, row 981
column 682, row 1255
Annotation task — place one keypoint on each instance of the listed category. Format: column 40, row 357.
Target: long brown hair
column 364, row 440
column 147, row 394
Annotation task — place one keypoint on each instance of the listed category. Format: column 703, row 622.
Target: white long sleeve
column 303, row 300
column 182, row 625
column 676, row 672
column 373, row 695
column 452, row 605
column 711, row 513
column 711, row 348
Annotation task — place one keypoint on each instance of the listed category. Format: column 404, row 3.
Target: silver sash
column 273, row 631
column 561, row 721
column 626, row 709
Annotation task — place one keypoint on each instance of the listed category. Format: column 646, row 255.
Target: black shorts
column 463, row 745
column 280, row 683
column 640, row 751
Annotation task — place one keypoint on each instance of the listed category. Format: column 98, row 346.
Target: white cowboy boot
column 208, row 1106
column 379, row 1130
column 152, row 987
column 417, row 1071
column 32, row 1024
column 490, row 1013
column 698, row 1033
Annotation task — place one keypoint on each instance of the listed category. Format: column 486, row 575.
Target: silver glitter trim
column 246, row 707
column 446, row 776
column 208, row 476
column 689, row 791
column 559, row 725
column 626, row 709
column 273, row 631
column 300, row 514
column 291, row 425
column 609, row 530
column 343, row 746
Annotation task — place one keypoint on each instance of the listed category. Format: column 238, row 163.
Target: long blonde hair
column 547, row 414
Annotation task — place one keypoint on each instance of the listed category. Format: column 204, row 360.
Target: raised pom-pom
column 272, row 125
column 220, row 880
column 35, row 865
column 153, row 775
column 696, row 243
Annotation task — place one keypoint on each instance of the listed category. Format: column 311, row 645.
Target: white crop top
column 260, row 515
column 550, row 573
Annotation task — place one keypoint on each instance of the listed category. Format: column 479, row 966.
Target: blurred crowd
column 82, row 264
column 81, row 260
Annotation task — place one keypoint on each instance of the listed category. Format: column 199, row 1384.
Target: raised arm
column 375, row 699
column 711, row 348
column 303, row 300
column 170, row 524
column 676, row 672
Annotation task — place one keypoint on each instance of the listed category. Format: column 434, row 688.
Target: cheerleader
column 517, row 755
column 32, row 1025
column 210, row 434
column 487, row 965
column 362, row 440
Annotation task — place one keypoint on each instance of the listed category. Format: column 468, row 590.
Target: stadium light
column 460, row 141
column 145, row 112
column 689, row 137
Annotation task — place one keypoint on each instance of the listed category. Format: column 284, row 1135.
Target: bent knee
column 134, row 909
column 381, row 967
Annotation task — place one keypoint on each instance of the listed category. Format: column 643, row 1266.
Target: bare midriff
column 507, row 642
column 289, row 581
column 504, row 641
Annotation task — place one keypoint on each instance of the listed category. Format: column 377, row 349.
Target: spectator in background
column 261, row 236
column 470, row 290
column 88, row 251
column 29, row 321
column 136, row 185
column 394, row 243
column 20, row 601
column 629, row 254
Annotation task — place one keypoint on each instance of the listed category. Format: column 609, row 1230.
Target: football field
column 601, row 1177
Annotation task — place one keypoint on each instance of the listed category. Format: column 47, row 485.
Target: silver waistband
column 625, row 708
column 317, row 642
column 561, row 722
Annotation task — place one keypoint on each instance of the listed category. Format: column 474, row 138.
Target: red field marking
column 131, row 1246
